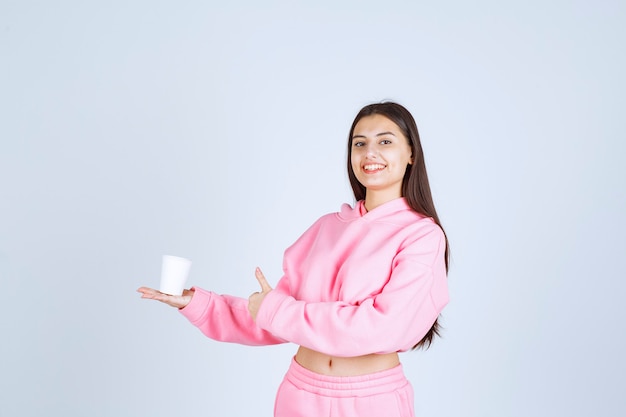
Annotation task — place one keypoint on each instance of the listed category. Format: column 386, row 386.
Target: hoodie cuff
column 197, row 307
column 270, row 305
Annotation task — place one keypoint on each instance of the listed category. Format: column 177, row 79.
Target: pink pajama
column 304, row 393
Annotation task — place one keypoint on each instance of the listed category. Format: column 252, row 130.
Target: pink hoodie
column 354, row 283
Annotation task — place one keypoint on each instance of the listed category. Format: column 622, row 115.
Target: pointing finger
column 265, row 286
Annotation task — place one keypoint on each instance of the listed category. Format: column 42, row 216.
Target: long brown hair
column 415, row 186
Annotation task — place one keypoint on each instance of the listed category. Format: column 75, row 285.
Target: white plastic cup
column 174, row 273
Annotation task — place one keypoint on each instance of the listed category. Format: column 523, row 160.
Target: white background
column 217, row 130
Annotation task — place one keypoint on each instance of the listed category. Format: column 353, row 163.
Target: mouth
column 372, row 168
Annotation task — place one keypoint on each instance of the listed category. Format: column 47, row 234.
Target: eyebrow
column 377, row 135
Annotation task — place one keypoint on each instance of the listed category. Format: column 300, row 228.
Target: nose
column 371, row 151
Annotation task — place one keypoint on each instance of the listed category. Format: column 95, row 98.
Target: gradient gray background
column 217, row 132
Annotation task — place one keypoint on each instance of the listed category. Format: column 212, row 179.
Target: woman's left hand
column 255, row 300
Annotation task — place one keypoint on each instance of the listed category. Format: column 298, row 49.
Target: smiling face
column 380, row 154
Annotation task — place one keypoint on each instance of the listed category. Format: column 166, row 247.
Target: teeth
column 373, row 167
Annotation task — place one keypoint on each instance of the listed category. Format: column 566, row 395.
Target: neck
column 373, row 199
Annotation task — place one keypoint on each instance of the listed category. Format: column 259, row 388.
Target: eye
column 385, row 142
column 358, row 144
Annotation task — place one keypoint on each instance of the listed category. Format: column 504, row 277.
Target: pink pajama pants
column 304, row 393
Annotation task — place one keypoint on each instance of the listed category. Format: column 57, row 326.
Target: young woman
column 359, row 285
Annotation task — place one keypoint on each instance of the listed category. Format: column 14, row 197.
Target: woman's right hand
column 178, row 301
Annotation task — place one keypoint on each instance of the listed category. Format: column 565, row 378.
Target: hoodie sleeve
column 393, row 320
column 226, row 319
